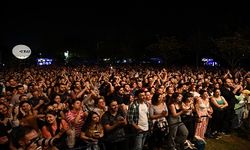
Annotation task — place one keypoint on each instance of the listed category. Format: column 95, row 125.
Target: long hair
column 155, row 98
column 88, row 120
column 173, row 99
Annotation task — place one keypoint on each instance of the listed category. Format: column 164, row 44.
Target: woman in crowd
column 58, row 106
column 28, row 116
column 219, row 104
column 55, row 128
column 204, row 112
column 101, row 107
column 177, row 130
column 158, row 112
column 188, row 117
column 92, row 131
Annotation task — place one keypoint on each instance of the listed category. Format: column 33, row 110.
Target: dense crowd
column 91, row 107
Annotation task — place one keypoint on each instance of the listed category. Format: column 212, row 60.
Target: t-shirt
column 143, row 117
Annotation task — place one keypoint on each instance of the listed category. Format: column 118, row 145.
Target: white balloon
column 21, row 51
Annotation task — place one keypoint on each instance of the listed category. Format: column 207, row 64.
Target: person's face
column 57, row 99
column 3, row 109
column 35, row 94
column 20, row 90
column 179, row 98
column 205, row 95
column 78, row 84
column 217, row 93
column 121, row 91
column 28, row 141
column 26, row 107
column 152, row 90
column 24, row 98
column 114, row 106
column 95, row 118
column 127, row 87
column 139, row 84
column 142, row 96
column 77, row 105
column 50, row 118
column 62, row 88
column 248, row 80
column 190, row 99
column 148, row 96
column 171, row 90
column 217, row 85
column 160, row 90
column 160, row 98
column 12, row 82
column 228, row 83
column 101, row 103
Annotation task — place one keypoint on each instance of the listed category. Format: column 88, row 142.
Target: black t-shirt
column 229, row 97
column 107, row 118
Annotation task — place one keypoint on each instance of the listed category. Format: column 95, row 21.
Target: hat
column 247, row 92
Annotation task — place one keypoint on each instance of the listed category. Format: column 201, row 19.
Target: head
column 3, row 109
column 93, row 117
column 170, row 90
column 204, row 94
column 20, row 89
column 25, row 106
column 25, row 137
column 228, row 83
column 217, row 92
column 57, row 99
column 76, row 104
column 51, row 116
column 113, row 106
column 101, row 102
column 157, row 99
column 176, row 98
column 188, row 97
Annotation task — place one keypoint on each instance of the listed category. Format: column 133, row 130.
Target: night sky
column 56, row 29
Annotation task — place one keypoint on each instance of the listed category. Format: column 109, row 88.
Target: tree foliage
column 168, row 48
column 233, row 49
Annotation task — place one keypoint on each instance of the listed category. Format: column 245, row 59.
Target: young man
column 138, row 117
column 114, row 122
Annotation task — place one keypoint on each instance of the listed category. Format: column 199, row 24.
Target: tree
column 168, row 48
column 233, row 49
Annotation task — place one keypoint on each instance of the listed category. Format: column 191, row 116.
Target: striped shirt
column 70, row 118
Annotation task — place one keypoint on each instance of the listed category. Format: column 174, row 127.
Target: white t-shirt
column 143, row 117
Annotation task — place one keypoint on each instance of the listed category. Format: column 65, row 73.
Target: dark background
column 106, row 30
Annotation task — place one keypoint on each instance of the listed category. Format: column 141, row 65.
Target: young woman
column 188, row 117
column 219, row 104
column 204, row 112
column 92, row 131
column 158, row 112
column 28, row 116
column 177, row 130
column 55, row 128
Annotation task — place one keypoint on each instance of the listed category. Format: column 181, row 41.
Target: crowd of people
column 126, row 107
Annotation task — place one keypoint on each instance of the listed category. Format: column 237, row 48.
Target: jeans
column 140, row 141
column 238, row 118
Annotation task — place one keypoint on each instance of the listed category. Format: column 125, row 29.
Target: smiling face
column 50, row 118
